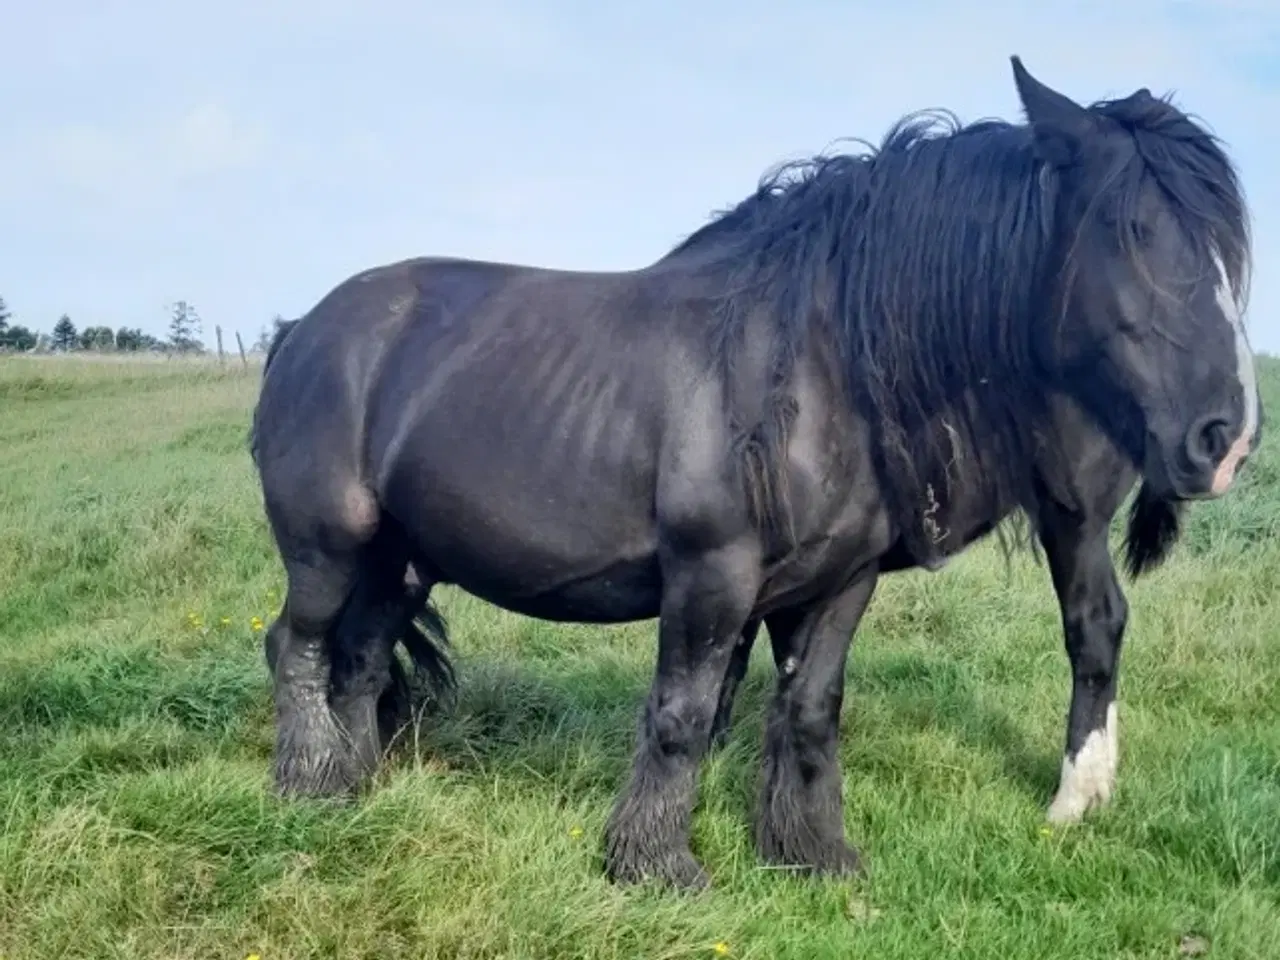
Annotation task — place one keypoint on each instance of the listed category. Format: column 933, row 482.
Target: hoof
column 1070, row 809
column 325, row 781
column 845, row 861
column 301, row 772
column 1089, row 778
column 679, row 871
column 835, row 858
column 1078, row 796
column 314, row 756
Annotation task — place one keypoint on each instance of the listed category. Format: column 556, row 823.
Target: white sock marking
column 1089, row 780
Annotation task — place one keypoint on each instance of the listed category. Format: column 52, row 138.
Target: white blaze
column 1247, row 376
column 1088, row 780
column 1244, row 355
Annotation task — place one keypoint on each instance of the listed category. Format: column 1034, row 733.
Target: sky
column 248, row 155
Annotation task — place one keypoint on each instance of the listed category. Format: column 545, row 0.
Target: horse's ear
column 1058, row 122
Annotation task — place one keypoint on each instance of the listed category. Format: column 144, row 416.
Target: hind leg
column 739, row 660
column 364, row 669
column 395, row 705
column 372, row 692
column 737, row 670
column 312, row 752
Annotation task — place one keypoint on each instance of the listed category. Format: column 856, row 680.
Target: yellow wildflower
column 1046, row 831
column 225, row 621
column 575, row 832
column 255, row 624
column 721, row 949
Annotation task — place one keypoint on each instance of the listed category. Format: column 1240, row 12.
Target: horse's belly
column 627, row 591
column 567, row 578
column 569, row 551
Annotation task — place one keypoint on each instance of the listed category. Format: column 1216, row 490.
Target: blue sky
column 247, row 155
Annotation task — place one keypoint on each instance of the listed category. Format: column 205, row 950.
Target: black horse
column 865, row 366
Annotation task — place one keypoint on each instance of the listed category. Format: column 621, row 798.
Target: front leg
column 705, row 603
column 1094, row 613
column 801, row 816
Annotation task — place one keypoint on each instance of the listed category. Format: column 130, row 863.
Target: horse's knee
column 679, row 722
column 812, row 722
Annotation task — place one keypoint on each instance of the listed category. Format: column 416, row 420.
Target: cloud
column 138, row 165
column 207, row 140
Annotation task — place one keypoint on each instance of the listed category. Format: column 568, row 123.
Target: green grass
column 135, row 745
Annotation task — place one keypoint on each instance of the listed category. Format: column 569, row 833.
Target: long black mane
column 922, row 262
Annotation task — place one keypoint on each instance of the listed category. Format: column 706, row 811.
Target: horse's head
column 1152, row 256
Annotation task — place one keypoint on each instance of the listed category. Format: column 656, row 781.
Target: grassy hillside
column 135, row 737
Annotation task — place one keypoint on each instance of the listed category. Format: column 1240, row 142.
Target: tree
column 19, row 338
column 64, row 334
column 97, row 338
column 13, row 337
column 184, row 327
column 128, row 339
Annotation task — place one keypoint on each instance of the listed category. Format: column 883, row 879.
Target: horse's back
column 324, row 375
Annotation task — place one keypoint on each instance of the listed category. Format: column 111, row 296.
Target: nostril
column 1209, row 441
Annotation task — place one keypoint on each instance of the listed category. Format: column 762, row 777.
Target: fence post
column 244, row 361
column 218, row 332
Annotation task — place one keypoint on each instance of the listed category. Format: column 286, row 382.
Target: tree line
column 185, row 328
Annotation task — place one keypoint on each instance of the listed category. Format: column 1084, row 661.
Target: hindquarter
column 309, row 419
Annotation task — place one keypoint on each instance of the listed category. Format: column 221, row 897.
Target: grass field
column 136, row 732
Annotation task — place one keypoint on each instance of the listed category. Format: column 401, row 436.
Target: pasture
column 136, row 573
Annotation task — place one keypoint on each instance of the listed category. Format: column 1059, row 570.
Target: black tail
column 425, row 637
column 1154, row 527
column 277, row 339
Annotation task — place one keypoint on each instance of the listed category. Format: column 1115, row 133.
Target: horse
column 875, row 360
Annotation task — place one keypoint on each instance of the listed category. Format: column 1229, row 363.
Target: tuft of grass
column 137, row 820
